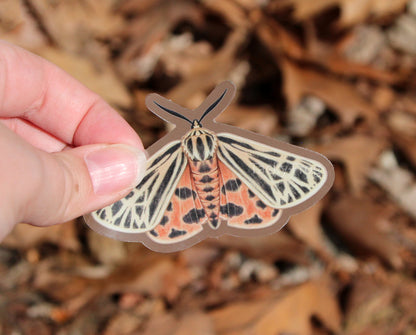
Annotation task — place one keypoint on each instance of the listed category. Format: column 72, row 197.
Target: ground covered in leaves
column 336, row 76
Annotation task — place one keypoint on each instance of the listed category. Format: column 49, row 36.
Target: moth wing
column 279, row 178
column 239, row 206
column 143, row 208
column 183, row 216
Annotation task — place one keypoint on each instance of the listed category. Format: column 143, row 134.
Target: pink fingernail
column 115, row 168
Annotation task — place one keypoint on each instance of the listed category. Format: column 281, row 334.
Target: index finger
column 33, row 89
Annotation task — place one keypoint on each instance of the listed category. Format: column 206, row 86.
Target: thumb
column 42, row 188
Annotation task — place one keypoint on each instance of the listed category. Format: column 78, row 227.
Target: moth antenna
column 173, row 112
column 214, row 104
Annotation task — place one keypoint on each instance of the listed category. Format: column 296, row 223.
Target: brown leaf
column 307, row 226
column 102, row 80
column 352, row 11
column 73, row 24
column 357, row 153
column 358, row 221
column 338, row 95
column 263, row 120
column 278, row 246
column 26, row 236
column 289, row 312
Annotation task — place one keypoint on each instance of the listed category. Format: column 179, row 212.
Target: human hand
column 64, row 152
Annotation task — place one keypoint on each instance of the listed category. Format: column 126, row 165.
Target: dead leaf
column 307, row 227
column 102, row 81
column 399, row 183
column 26, row 236
column 342, row 97
column 357, row 153
column 352, row 11
column 289, row 312
column 73, row 24
column 358, row 221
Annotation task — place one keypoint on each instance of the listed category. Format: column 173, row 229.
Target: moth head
column 199, row 143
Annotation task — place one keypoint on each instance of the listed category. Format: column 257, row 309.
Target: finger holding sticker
column 205, row 179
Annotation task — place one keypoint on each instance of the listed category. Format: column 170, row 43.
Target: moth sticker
column 205, row 179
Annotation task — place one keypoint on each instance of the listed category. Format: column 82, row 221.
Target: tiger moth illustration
column 205, row 179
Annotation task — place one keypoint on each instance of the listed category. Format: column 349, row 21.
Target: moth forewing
column 279, row 178
column 142, row 209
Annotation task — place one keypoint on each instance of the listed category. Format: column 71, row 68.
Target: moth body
column 200, row 147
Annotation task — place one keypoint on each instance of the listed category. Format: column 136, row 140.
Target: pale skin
column 64, row 151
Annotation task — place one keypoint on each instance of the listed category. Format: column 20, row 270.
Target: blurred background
column 335, row 76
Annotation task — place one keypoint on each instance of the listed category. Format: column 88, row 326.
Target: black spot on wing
column 274, row 154
column 206, row 179
column 128, row 196
column 103, row 214
column 168, row 152
column 175, row 233
column 260, row 204
column 183, row 192
column 316, row 179
column 251, row 194
column 234, row 143
column 265, row 160
column 209, row 197
column 153, row 232
column 164, row 220
column 208, row 189
column 204, row 168
column 135, row 226
column 249, row 171
column 232, row 185
column 193, row 216
column 143, row 226
column 117, row 221
column 301, row 175
column 211, row 206
column 170, row 207
column 231, row 209
column 286, row 167
column 116, row 207
column 127, row 221
column 254, row 219
column 139, row 210
column 295, row 192
column 290, row 158
column 281, row 187
column 170, row 175
column 275, row 212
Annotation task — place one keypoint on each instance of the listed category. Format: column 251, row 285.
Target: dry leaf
column 352, row 11
column 26, row 236
column 289, row 312
column 357, row 153
column 307, row 227
column 339, row 95
column 73, row 24
column 101, row 80
column 399, row 183
column 358, row 221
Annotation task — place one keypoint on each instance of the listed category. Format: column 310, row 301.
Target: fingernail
column 115, row 168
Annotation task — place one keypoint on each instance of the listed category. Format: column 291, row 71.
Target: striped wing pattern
column 280, row 179
column 143, row 208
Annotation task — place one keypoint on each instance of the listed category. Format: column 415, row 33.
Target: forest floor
column 335, row 76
